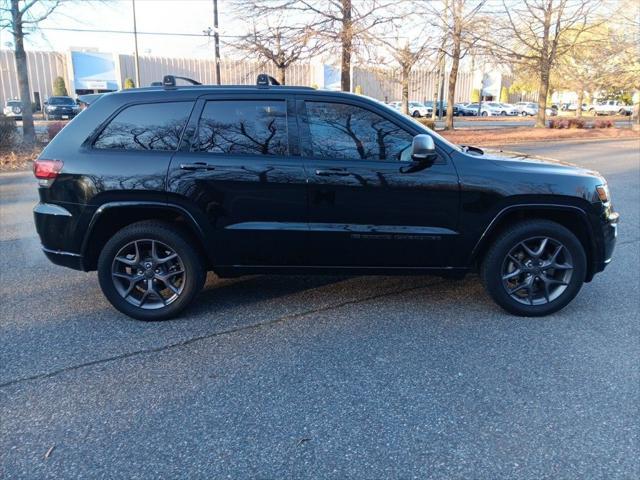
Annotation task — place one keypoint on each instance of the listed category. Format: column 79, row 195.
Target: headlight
column 603, row 193
column 49, row 108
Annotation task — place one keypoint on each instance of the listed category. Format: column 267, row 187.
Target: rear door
column 366, row 209
column 240, row 170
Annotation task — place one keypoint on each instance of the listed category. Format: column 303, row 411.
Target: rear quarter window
column 152, row 126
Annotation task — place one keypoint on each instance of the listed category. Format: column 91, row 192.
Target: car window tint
column 340, row 131
column 243, row 127
column 153, row 126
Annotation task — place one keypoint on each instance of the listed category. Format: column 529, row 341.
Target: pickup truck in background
column 610, row 107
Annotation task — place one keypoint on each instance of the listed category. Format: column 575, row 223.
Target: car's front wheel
column 150, row 271
column 416, row 114
column 535, row 268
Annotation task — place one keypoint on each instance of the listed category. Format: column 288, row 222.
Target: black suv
column 60, row 108
column 153, row 187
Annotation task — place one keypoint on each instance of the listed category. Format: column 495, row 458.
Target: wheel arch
column 572, row 217
column 113, row 216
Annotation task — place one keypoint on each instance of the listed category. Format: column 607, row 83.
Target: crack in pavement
column 191, row 340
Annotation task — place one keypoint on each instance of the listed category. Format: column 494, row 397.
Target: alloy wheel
column 537, row 270
column 148, row 274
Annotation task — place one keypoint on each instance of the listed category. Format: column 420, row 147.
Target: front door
column 241, row 171
column 366, row 209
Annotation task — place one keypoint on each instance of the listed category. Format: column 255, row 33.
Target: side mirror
column 422, row 149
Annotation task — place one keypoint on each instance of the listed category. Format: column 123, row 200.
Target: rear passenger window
column 243, row 127
column 152, row 126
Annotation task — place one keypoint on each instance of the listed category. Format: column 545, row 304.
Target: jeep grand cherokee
column 153, row 187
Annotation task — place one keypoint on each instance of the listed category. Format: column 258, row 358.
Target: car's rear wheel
column 150, row 271
column 485, row 114
column 535, row 268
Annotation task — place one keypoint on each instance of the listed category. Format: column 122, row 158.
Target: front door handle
column 341, row 172
column 197, row 166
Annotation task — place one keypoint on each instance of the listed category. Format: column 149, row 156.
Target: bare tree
column 279, row 45
column 590, row 65
column 341, row 23
column 462, row 27
column 538, row 33
column 406, row 52
column 23, row 16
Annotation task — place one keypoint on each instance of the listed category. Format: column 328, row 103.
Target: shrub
column 59, row 88
column 427, row 122
column 129, row 83
column 601, row 123
column 475, row 95
column 566, row 123
column 53, row 128
column 504, row 95
column 8, row 132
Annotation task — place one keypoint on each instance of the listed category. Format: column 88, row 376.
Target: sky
column 167, row 16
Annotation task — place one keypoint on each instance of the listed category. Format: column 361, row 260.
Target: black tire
column 416, row 114
column 171, row 239
column 484, row 114
column 497, row 256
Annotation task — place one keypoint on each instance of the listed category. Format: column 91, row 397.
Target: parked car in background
column 573, row 107
column 509, row 109
column 60, row 108
column 429, row 104
column 13, row 109
column 610, row 107
column 468, row 110
column 416, row 109
column 90, row 98
column 527, row 108
column 531, row 109
column 156, row 186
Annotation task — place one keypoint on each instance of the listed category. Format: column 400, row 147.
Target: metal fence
column 382, row 84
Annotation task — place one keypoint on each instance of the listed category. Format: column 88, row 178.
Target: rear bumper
column 56, row 226
column 65, row 259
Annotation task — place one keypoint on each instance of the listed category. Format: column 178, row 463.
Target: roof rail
column 265, row 80
column 169, row 81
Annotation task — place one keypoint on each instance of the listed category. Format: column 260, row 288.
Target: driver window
column 348, row 132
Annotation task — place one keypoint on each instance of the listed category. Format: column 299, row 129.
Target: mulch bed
column 504, row 136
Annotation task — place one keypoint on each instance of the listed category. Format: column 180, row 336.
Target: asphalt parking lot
column 321, row 377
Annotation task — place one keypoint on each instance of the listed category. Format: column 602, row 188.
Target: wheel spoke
column 511, row 275
column 154, row 252
column 132, row 284
column 515, row 260
column 545, row 288
column 147, row 292
column 538, row 253
column 126, row 261
column 518, row 288
column 167, row 258
column 558, row 266
column 527, row 250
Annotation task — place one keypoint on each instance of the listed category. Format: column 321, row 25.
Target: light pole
column 135, row 40
column 216, row 41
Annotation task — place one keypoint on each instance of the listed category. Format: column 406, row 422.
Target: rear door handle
column 341, row 172
column 197, row 166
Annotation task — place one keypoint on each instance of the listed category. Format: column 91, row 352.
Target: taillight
column 47, row 170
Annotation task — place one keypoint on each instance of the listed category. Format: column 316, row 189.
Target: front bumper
column 607, row 241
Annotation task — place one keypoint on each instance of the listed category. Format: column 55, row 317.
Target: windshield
column 13, row 103
column 61, row 101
